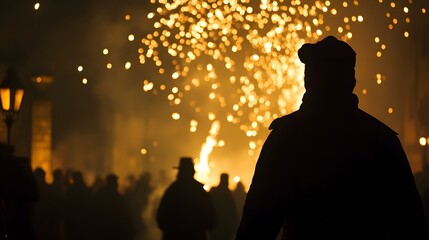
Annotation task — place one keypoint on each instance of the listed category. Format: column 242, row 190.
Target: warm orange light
column 19, row 94
column 143, row 151
column 237, row 179
column 42, row 79
column 175, row 116
column 423, row 141
column 5, row 98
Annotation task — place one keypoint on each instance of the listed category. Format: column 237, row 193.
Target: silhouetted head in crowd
column 112, row 180
column 40, row 175
column 58, row 177
column 78, row 178
column 186, row 168
column 224, row 180
column 240, row 187
column 329, row 67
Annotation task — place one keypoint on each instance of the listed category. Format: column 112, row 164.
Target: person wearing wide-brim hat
column 331, row 170
column 186, row 211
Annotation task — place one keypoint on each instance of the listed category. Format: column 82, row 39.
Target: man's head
column 329, row 67
column 40, row 175
column 186, row 167
column 112, row 180
column 58, row 176
column 78, row 178
column 224, row 180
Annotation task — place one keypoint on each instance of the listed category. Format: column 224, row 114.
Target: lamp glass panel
column 5, row 98
column 19, row 94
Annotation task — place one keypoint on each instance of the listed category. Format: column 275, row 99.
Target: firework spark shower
column 244, row 53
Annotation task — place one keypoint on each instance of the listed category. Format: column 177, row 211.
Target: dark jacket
column 332, row 171
column 226, row 213
column 186, row 211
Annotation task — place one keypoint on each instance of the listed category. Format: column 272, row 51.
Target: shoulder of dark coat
column 285, row 120
column 371, row 121
column 361, row 116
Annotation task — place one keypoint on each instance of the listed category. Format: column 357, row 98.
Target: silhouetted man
column 57, row 188
column 186, row 210
column 45, row 215
column 112, row 219
column 226, row 211
column 137, row 199
column 330, row 170
column 77, row 209
column 18, row 194
column 239, row 194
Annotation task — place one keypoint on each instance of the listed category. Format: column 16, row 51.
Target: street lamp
column 11, row 93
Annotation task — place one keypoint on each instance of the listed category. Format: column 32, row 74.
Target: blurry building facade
column 416, row 119
column 41, row 126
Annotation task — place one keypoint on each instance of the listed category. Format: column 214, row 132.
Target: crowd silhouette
column 70, row 209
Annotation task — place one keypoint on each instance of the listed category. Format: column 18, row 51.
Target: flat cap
column 328, row 51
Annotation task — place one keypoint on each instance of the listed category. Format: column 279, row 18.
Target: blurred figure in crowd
column 186, row 211
column 78, row 216
column 112, row 219
column 226, row 211
column 18, row 195
column 45, row 220
column 137, row 201
column 239, row 194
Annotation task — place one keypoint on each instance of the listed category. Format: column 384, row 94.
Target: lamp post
column 11, row 93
